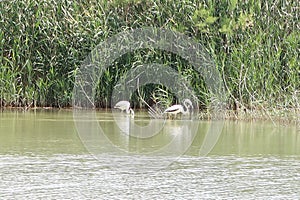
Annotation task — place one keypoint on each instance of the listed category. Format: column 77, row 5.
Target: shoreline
column 286, row 116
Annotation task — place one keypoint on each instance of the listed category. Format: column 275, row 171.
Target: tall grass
column 255, row 45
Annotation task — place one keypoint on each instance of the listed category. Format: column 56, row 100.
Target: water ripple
column 66, row 176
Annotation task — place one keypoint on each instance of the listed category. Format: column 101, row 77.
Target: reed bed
column 255, row 46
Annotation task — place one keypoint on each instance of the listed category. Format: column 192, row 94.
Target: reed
column 255, row 45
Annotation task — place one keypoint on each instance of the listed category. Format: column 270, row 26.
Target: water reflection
column 54, row 132
column 151, row 136
column 38, row 132
column 181, row 135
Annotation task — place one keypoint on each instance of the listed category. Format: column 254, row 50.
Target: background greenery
column 255, row 45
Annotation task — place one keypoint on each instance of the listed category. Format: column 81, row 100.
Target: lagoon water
column 52, row 155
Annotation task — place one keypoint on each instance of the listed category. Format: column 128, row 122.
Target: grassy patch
column 255, row 45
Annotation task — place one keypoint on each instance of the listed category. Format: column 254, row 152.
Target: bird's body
column 176, row 109
column 124, row 106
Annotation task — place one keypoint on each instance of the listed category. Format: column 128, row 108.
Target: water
column 42, row 156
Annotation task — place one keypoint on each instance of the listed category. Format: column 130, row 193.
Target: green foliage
column 255, row 45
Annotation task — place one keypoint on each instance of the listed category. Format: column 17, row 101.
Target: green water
column 45, row 155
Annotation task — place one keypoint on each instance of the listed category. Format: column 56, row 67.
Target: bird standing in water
column 124, row 105
column 175, row 109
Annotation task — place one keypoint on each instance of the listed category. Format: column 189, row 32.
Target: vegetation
column 255, row 45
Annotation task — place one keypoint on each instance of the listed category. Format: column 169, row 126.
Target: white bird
column 124, row 105
column 175, row 109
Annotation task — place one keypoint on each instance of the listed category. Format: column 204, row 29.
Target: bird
column 175, row 109
column 124, row 105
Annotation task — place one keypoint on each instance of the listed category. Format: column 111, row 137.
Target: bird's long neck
column 131, row 112
column 186, row 109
